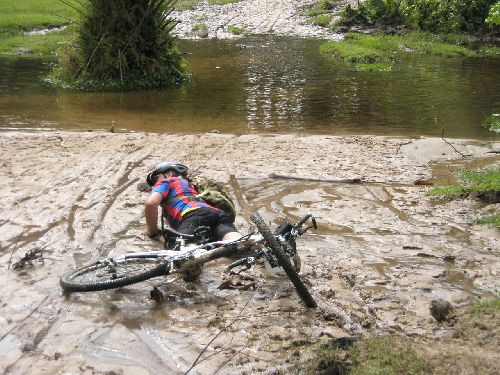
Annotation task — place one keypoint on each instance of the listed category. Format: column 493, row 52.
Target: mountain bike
column 276, row 249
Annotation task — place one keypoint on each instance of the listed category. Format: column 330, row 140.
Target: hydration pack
column 213, row 193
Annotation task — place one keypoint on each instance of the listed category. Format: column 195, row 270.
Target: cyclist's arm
column 151, row 212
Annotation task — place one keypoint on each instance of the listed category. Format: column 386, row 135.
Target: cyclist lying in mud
column 174, row 193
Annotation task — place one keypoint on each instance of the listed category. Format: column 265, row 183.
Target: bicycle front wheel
column 283, row 260
column 106, row 274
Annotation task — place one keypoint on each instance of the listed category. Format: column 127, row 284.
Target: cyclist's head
column 176, row 168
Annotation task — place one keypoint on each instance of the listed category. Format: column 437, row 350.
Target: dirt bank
column 382, row 252
column 279, row 17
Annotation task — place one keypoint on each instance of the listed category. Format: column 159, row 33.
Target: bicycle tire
column 283, row 260
column 95, row 277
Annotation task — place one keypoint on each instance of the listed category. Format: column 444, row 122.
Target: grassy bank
column 17, row 18
column 484, row 184
column 470, row 327
column 478, row 181
column 380, row 51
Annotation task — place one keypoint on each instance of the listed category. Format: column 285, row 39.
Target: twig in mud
column 15, row 248
column 220, row 332
column 275, row 176
column 228, row 360
column 30, row 256
column 453, row 147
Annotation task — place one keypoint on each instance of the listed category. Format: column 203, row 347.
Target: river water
column 268, row 84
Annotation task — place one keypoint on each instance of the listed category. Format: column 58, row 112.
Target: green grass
column 385, row 49
column 478, row 317
column 39, row 45
column 493, row 220
column 475, row 324
column 322, row 7
column 19, row 17
column 474, row 182
column 236, row 30
column 201, row 30
column 383, row 355
column 25, row 15
column 321, row 20
column 492, row 123
column 375, row 67
column 484, row 307
column 477, row 181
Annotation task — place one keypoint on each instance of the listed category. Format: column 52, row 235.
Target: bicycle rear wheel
column 105, row 274
column 283, row 260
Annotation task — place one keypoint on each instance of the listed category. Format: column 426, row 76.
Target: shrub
column 121, row 44
column 492, row 122
column 200, row 30
column 494, row 15
column 236, row 30
column 445, row 16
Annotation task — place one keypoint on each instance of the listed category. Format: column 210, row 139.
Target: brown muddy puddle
column 380, row 255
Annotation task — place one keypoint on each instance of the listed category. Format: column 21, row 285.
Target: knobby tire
column 95, row 276
column 283, row 260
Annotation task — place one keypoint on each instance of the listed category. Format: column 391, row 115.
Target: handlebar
column 177, row 234
column 301, row 222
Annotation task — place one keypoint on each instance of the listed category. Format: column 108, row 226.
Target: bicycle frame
column 278, row 249
column 202, row 253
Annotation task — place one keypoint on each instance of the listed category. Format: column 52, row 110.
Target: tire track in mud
column 123, row 183
column 29, row 333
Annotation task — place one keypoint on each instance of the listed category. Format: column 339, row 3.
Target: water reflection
column 275, row 84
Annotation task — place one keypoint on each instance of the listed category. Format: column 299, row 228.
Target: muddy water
column 370, row 262
column 268, row 84
column 382, row 252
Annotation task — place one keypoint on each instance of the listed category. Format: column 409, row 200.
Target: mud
column 383, row 250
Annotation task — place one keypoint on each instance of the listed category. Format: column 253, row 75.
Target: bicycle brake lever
column 236, row 273
column 313, row 219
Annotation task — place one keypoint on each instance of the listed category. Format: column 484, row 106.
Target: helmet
column 165, row 167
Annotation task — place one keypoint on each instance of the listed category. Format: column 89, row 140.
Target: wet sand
column 382, row 252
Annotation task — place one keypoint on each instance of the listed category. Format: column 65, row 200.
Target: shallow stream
column 268, row 84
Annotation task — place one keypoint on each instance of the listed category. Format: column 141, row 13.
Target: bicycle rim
column 283, row 260
column 99, row 276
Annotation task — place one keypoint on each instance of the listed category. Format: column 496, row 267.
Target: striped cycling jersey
column 177, row 199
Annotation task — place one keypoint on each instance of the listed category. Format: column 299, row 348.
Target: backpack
column 214, row 194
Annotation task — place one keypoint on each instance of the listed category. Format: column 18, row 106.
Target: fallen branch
column 275, row 176
column 453, row 147
column 197, row 360
column 15, row 248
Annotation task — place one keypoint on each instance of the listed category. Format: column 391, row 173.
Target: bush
column 494, row 15
column 492, row 122
column 236, row 30
column 121, row 44
column 445, row 16
column 200, row 30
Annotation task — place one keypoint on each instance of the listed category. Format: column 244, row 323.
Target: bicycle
column 277, row 249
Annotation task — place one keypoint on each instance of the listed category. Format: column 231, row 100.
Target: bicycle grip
column 303, row 220
column 237, row 263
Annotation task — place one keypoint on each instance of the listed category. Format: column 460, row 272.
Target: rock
column 440, row 309
column 422, row 182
